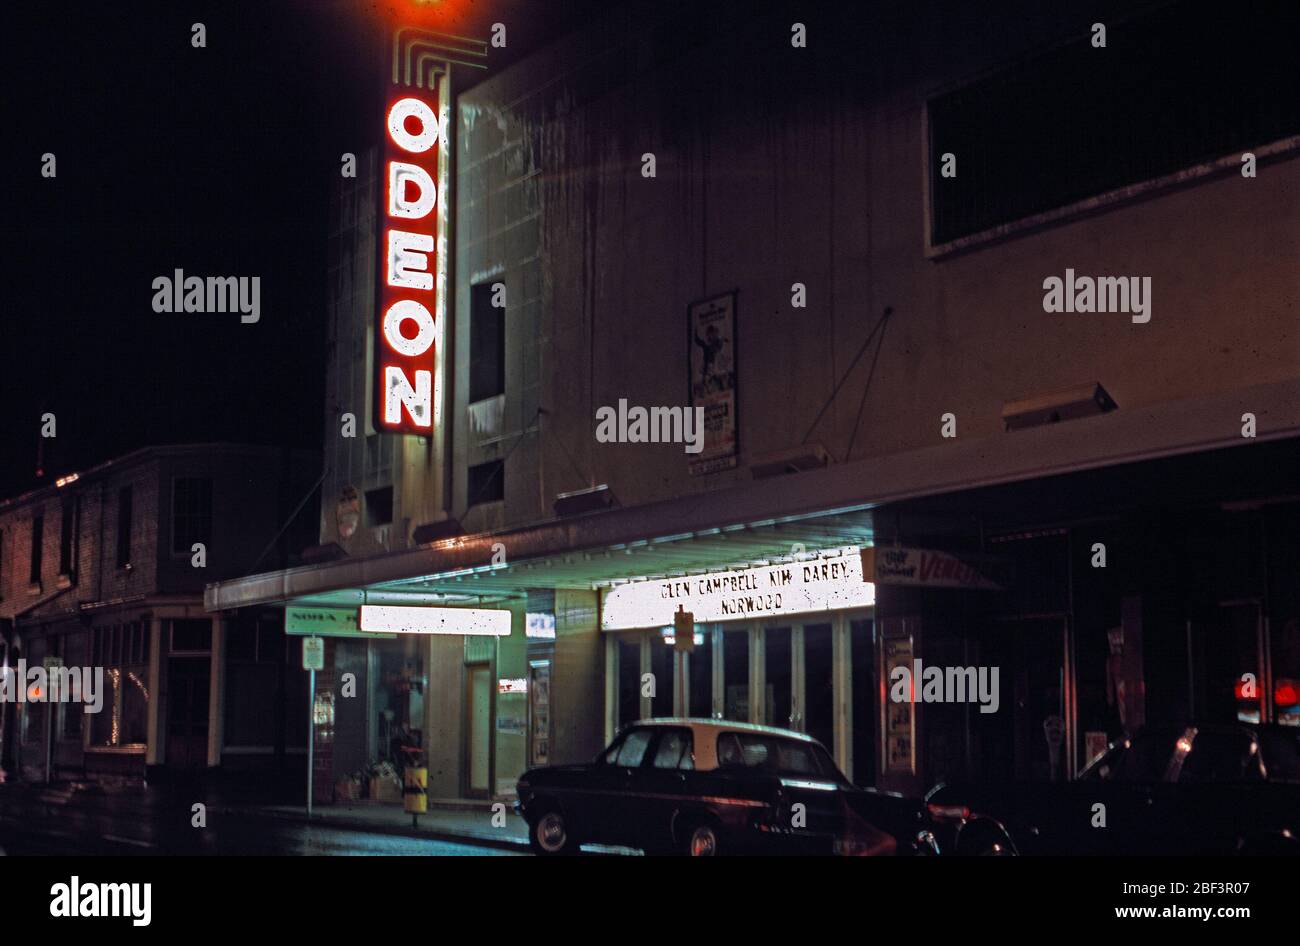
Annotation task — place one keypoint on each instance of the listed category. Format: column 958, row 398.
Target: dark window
column 254, row 701
column 379, row 506
column 1188, row 84
column 124, row 526
column 487, row 483
column 72, row 648
column 191, row 513
column 191, row 634
column 487, row 344
column 68, row 529
column 38, row 542
column 2, row 564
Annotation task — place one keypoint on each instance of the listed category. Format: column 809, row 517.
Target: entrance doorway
column 1229, row 670
column 188, row 685
column 478, row 747
column 792, row 675
column 1028, row 738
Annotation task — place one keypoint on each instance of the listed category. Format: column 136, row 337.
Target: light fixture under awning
column 474, row 622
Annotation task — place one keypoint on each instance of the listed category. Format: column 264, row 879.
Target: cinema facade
column 1103, row 509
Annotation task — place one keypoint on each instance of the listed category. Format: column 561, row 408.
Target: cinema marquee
column 412, row 257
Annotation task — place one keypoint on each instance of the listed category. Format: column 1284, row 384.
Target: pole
column 311, row 737
column 49, row 730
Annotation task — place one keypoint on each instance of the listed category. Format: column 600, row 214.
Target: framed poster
column 711, row 342
column 539, row 711
column 899, row 719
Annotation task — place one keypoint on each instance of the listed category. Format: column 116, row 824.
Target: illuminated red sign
column 408, row 331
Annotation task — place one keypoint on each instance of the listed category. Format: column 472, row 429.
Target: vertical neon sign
column 408, row 330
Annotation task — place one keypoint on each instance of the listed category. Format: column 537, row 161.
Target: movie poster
column 712, row 344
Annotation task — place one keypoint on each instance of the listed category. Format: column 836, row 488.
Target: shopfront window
column 735, row 674
column 253, row 703
column 818, row 709
column 701, row 675
column 862, row 647
column 662, row 666
column 72, row 715
column 399, row 698
column 629, row 678
column 1286, row 672
column 778, row 707
column 123, row 651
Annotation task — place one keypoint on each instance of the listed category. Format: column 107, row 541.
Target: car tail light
column 948, row 812
column 852, row 846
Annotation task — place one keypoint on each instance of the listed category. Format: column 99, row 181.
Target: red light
column 948, row 812
column 1286, row 694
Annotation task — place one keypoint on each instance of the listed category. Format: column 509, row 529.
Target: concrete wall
column 812, row 171
column 577, row 679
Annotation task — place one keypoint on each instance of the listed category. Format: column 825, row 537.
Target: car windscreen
column 1143, row 758
column 628, row 749
column 1220, row 757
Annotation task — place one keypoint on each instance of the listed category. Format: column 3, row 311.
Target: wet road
column 270, row 838
column 31, row 830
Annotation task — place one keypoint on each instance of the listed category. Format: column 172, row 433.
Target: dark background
column 217, row 161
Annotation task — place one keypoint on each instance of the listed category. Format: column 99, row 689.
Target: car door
column 611, row 793
column 1115, row 807
column 658, row 787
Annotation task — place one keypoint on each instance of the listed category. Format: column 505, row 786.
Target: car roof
column 703, row 724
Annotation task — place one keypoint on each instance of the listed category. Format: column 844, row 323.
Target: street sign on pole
column 313, row 653
column 313, row 659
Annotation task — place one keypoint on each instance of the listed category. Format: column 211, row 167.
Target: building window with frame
column 487, row 483
column 38, row 547
column 69, row 528
column 487, row 343
column 1178, row 90
column 124, row 503
column 123, row 651
column 191, row 513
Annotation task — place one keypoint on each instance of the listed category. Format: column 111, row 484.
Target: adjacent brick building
column 104, row 569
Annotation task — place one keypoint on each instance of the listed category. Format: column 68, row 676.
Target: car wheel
column 985, row 841
column 702, row 840
column 550, row 834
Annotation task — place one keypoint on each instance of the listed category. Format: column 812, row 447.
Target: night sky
column 218, row 161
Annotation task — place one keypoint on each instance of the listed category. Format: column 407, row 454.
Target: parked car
column 705, row 787
column 1191, row 790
